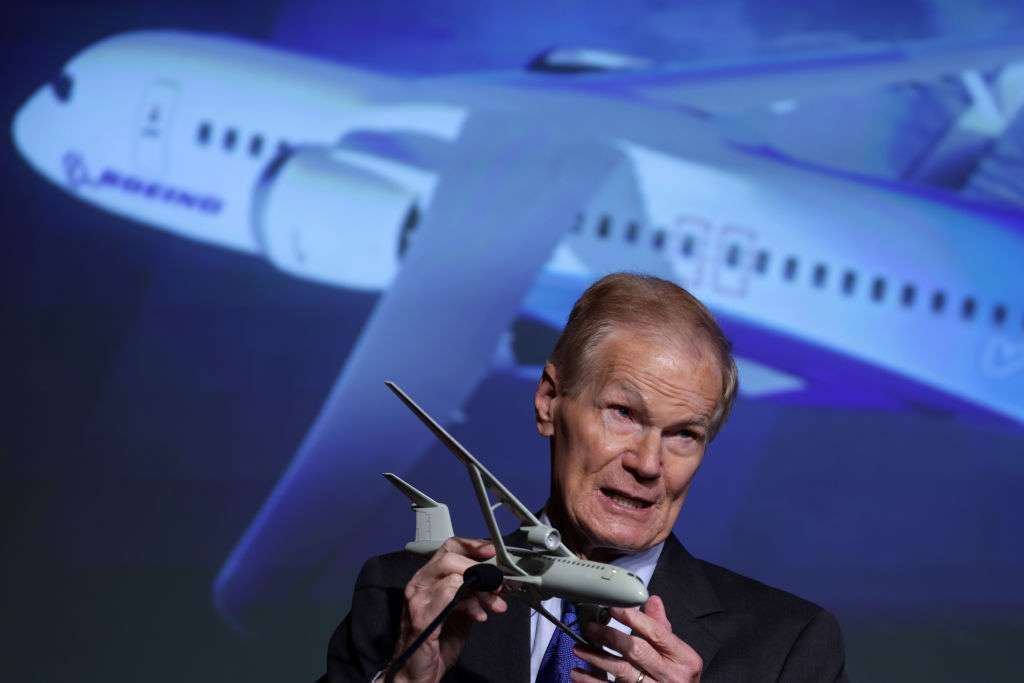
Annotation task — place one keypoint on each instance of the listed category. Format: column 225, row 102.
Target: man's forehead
column 687, row 397
column 665, row 373
column 624, row 352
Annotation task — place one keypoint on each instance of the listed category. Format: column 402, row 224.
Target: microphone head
column 483, row 577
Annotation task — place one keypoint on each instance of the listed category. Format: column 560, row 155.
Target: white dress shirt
column 642, row 564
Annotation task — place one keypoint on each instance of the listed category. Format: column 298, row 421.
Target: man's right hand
column 427, row 593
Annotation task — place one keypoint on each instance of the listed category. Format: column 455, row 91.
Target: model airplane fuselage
column 542, row 567
column 545, row 568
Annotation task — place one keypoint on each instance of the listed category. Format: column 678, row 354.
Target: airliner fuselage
column 182, row 132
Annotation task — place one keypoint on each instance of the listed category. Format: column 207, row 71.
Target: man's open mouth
column 625, row 499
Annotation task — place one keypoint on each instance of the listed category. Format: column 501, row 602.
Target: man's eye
column 623, row 411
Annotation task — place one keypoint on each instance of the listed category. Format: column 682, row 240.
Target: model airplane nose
column 640, row 589
column 634, row 592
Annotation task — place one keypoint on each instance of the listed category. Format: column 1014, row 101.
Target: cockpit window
column 62, row 86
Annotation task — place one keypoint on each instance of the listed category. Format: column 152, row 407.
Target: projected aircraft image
column 472, row 202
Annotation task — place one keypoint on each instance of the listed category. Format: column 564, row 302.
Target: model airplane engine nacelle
column 319, row 216
column 542, row 536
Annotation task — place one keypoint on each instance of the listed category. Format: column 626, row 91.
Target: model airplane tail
column 433, row 523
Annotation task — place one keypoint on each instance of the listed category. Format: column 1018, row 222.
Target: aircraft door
column 153, row 128
column 691, row 250
column 734, row 254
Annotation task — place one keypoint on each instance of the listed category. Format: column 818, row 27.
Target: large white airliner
column 469, row 202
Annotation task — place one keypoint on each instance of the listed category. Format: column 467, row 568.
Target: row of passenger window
column 878, row 287
column 584, row 563
column 230, row 140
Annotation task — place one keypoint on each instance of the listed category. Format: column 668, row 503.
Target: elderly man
column 639, row 383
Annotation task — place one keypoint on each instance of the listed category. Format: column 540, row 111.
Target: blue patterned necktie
column 559, row 659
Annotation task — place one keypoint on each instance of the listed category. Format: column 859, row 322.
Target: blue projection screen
column 231, row 223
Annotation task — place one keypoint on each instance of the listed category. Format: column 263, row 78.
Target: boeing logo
column 77, row 174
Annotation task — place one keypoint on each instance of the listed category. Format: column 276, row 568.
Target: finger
column 636, row 650
column 423, row 604
column 651, row 630
column 440, row 566
column 468, row 547
column 438, row 594
column 493, row 603
column 610, row 637
column 605, row 661
column 426, row 601
column 473, row 609
column 655, row 609
column 485, row 607
column 452, row 563
column 656, row 635
column 458, row 554
column 469, row 607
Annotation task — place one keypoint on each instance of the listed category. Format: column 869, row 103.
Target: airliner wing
column 719, row 88
column 503, row 201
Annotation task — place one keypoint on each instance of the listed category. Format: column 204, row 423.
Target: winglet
column 433, row 523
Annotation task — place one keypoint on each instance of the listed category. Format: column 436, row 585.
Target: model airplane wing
column 483, row 481
column 505, row 198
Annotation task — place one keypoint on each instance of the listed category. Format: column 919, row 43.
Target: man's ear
column 544, row 400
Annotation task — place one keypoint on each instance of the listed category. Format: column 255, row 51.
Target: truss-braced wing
column 483, row 481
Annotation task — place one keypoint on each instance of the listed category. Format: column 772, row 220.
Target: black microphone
column 479, row 577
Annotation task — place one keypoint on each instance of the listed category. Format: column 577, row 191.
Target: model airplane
column 543, row 570
column 472, row 202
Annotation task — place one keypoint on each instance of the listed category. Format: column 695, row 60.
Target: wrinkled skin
column 624, row 451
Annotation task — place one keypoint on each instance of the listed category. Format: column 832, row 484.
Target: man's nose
column 644, row 458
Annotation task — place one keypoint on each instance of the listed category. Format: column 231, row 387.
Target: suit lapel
column 688, row 595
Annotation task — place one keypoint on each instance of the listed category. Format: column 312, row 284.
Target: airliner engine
column 319, row 215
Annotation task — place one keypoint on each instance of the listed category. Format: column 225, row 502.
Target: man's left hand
column 651, row 653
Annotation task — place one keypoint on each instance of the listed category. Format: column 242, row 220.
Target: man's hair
column 648, row 304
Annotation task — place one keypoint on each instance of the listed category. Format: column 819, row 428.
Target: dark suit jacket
column 742, row 629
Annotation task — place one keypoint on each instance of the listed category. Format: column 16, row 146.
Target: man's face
column 625, row 449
